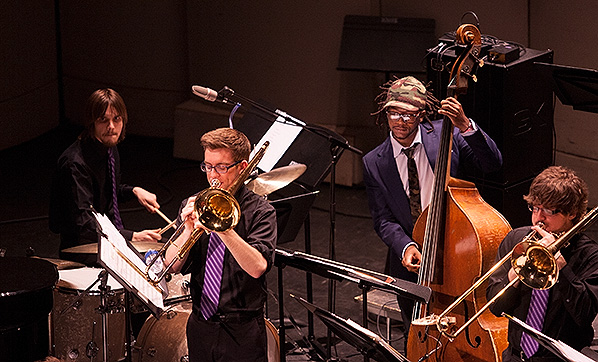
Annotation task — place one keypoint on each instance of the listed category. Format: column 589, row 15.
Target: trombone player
column 557, row 199
column 228, row 268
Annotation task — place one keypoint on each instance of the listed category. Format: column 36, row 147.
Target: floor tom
column 76, row 323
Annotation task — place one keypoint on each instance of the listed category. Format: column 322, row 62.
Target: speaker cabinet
column 511, row 102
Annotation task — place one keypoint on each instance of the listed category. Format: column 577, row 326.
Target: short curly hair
column 230, row 139
column 559, row 187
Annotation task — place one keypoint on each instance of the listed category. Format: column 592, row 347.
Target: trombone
column 534, row 264
column 217, row 210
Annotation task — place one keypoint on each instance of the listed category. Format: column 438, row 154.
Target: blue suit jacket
column 388, row 202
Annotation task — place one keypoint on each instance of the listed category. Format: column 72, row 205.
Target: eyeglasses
column 409, row 118
column 545, row 211
column 220, row 168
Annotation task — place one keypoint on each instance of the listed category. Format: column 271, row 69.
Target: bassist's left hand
column 451, row 108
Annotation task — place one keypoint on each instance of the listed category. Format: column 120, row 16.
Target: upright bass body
column 472, row 232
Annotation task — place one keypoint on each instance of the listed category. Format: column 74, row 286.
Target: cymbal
column 63, row 264
column 141, row 246
column 276, row 179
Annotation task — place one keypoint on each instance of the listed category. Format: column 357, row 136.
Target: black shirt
column 82, row 182
column 573, row 300
column 239, row 292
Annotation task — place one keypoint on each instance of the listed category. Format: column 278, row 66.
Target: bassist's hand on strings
column 412, row 259
column 451, row 108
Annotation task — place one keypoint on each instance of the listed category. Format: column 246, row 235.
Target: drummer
column 227, row 322
column 88, row 178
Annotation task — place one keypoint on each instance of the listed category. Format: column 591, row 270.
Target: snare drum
column 165, row 339
column 77, row 324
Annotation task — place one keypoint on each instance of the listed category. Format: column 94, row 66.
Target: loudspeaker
column 508, row 200
column 512, row 103
column 387, row 44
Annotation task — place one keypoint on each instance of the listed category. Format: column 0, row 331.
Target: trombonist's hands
column 190, row 216
column 412, row 259
column 547, row 239
column 146, row 199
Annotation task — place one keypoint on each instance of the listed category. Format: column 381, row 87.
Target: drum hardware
column 104, row 289
column 91, row 351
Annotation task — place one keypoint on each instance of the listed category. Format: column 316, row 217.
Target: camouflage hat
column 408, row 93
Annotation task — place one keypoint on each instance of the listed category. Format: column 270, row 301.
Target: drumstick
column 170, row 223
column 167, row 227
column 163, row 216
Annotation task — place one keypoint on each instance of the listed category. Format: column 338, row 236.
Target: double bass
column 459, row 234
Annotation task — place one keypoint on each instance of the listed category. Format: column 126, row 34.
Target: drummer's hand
column 412, row 259
column 147, row 199
column 147, row 235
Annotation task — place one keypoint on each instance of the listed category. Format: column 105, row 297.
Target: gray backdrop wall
column 281, row 51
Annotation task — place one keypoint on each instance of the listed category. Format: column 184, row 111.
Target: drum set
column 76, row 321
column 89, row 315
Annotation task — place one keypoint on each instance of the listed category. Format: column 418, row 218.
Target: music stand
column 316, row 147
column 366, row 279
column 577, row 87
column 558, row 348
column 117, row 257
column 367, row 342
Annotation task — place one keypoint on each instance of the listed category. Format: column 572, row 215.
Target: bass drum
column 273, row 342
column 165, row 340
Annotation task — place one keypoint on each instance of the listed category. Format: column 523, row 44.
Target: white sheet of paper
column 109, row 254
column 280, row 135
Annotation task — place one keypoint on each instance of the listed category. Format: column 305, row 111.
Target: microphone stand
column 337, row 145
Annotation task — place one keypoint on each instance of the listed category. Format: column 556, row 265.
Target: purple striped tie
column 535, row 319
column 117, row 220
column 213, row 277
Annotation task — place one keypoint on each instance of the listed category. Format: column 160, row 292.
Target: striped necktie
column 117, row 220
column 213, row 277
column 414, row 192
column 535, row 319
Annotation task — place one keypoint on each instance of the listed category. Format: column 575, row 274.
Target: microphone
column 211, row 95
column 206, row 93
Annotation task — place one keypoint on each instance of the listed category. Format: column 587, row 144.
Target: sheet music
column 116, row 255
column 281, row 134
column 561, row 349
column 375, row 337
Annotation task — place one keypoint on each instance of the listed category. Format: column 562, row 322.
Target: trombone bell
column 535, row 265
column 217, row 209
